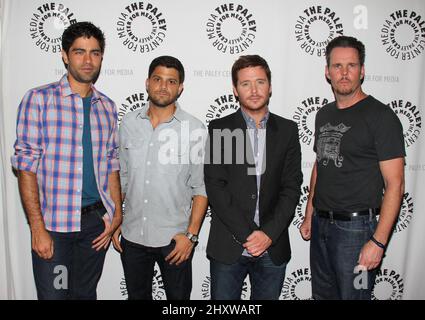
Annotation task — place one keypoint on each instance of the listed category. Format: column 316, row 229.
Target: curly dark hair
column 168, row 62
column 82, row 29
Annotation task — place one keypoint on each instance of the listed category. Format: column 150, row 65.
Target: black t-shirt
column 349, row 143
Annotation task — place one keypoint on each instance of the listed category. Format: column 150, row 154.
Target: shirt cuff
column 199, row 191
column 24, row 163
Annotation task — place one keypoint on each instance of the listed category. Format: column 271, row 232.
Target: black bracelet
column 379, row 244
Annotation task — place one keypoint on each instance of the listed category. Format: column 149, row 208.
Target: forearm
column 115, row 193
column 390, row 209
column 309, row 208
column 28, row 189
column 199, row 207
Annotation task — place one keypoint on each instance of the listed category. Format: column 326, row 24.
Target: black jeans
column 75, row 268
column 138, row 263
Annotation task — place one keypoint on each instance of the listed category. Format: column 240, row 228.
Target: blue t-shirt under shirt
column 90, row 192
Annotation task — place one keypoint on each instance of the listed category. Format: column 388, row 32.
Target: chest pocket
column 134, row 148
column 172, row 159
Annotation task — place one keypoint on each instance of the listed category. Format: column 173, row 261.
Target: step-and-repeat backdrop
column 208, row 36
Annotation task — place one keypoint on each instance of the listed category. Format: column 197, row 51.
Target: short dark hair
column 168, row 62
column 250, row 61
column 82, row 29
column 346, row 42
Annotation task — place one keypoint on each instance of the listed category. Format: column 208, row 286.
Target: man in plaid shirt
column 66, row 158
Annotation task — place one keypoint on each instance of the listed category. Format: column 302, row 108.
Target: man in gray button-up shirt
column 161, row 158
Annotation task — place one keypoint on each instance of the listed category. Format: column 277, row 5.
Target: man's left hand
column 371, row 255
column 181, row 251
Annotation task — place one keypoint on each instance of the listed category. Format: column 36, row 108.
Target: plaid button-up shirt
column 49, row 143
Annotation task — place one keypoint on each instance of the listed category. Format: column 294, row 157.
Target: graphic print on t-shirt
column 329, row 143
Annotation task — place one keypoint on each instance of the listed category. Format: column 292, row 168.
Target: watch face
column 194, row 238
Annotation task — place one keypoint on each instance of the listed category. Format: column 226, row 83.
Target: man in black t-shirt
column 360, row 157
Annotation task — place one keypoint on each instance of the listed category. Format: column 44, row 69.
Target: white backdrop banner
column 208, row 36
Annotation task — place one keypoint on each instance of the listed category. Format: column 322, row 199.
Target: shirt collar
column 178, row 113
column 66, row 89
column 251, row 122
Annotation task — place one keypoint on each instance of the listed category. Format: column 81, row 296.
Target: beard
column 84, row 78
column 162, row 102
column 346, row 90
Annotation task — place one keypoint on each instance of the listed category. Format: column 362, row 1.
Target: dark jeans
column 138, row 263
column 75, row 268
column 265, row 277
column 334, row 253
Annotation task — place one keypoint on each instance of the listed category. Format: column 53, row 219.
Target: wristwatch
column 192, row 237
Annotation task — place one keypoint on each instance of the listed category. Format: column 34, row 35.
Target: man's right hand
column 42, row 243
column 305, row 229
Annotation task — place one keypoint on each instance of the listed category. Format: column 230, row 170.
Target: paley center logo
column 222, row 106
column 410, row 118
column 47, row 24
column 231, row 28
column 300, row 209
column 206, row 289
column 388, row 285
column 315, row 28
column 406, row 213
column 403, row 34
column 305, row 114
column 131, row 103
column 141, row 27
column 158, row 291
column 297, row 285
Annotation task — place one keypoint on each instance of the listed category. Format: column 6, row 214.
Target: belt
column 92, row 207
column 346, row 215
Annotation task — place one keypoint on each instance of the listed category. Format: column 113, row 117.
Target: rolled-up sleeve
column 28, row 144
column 122, row 156
column 197, row 152
column 113, row 144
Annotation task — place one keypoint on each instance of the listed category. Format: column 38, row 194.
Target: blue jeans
column 334, row 252
column 75, row 268
column 265, row 277
column 138, row 263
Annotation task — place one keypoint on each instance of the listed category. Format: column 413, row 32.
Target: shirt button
column 78, row 190
column 144, row 218
column 79, row 169
column 147, row 181
column 151, row 144
column 253, row 196
column 145, row 201
column 81, row 125
column 148, row 163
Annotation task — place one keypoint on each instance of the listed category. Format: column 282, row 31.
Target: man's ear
column 64, row 57
column 235, row 92
column 327, row 73
column 147, row 85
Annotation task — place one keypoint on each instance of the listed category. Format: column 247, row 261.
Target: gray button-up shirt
column 161, row 170
column 257, row 137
